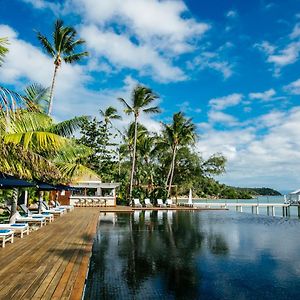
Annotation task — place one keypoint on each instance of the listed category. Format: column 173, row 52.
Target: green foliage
column 3, row 49
column 97, row 136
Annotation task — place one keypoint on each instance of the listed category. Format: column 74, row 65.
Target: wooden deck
column 50, row 263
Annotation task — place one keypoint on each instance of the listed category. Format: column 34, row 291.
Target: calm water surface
column 195, row 255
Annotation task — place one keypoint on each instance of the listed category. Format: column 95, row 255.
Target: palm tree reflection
column 158, row 253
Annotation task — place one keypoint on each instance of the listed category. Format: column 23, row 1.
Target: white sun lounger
column 30, row 220
column 170, row 203
column 20, row 228
column 148, row 203
column 58, row 205
column 6, row 235
column 48, row 216
column 136, row 202
column 160, row 203
column 55, row 212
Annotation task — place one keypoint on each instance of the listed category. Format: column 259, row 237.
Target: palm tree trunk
column 14, row 205
column 41, row 194
column 169, row 174
column 52, row 90
column 172, row 171
column 133, row 159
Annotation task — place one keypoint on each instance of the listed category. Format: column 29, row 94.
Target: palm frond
column 75, row 57
column 3, row 49
column 128, row 109
column 68, row 127
column 37, row 141
column 152, row 110
column 38, row 96
column 17, row 161
column 46, row 44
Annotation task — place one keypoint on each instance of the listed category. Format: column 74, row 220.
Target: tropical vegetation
column 153, row 164
column 62, row 48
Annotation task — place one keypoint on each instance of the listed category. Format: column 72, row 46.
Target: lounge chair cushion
column 5, row 231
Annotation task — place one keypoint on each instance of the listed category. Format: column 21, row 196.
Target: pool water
column 194, row 255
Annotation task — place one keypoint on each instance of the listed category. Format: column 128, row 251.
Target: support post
column 273, row 211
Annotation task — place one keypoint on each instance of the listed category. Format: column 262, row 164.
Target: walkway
column 50, row 263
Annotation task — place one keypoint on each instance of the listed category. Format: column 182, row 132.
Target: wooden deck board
column 52, row 262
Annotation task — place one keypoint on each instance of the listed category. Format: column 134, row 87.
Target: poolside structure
column 294, row 197
column 90, row 191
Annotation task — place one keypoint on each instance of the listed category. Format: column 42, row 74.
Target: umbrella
column 62, row 187
column 190, row 197
column 9, row 182
column 42, row 186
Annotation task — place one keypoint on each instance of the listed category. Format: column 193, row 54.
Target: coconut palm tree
column 110, row 113
column 3, row 49
column 141, row 98
column 62, row 49
column 182, row 132
column 37, row 97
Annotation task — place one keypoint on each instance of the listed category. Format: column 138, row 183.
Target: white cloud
column 214, row 60
column 286, row 56
column 144, row 35
column 231, row 14
column 256, row 157
column 225, row 102
column 266, row 47
column 265, row 96
column 123, row 53
column 220, row 117
column 26, row 63
column 282, row 55
column 42, row 4
column 296, row 31
column 151, row 20
column 293, row 87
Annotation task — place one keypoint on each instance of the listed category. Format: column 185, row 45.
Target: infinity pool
column 194, row 255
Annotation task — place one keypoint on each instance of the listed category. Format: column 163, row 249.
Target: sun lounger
column 41, row 221
column 54, row 211
column 170, row 203
column 160, row 203
column 30, row 220
column 6, row 235
column 20, row 228
column 136, row 202
column 48, row 216
column 148, row 203
column 67, row 207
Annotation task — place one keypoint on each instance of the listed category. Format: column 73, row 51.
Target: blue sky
column 233, row 66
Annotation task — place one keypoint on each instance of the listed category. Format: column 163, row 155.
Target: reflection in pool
column 195, row 255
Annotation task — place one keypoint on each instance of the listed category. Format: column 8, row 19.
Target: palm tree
column 37, row 97
column 30, row 142
column 180, row 133
column 141, row 98
column 62, row 49
column 110, row 113
column 3, row 49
